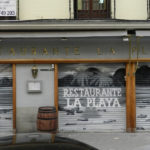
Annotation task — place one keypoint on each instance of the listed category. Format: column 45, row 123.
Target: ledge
column 53, row 25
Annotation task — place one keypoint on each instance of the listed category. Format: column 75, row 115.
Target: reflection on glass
column 99, row 5
column 101, row 1
column 83, row 4
column 96, row 4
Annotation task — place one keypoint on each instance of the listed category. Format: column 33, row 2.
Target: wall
column 64, row 9
column 112, row 9
column 44, row 9
column 131, row 9
column 28, row 103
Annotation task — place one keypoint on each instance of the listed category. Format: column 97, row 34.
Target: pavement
column 100, row 141
column 112, row 141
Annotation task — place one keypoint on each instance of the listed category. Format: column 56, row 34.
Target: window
column 8, row 9
column 92, row 9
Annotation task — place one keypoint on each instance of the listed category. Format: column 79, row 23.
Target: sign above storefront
column 8, row 7
column 94, row 48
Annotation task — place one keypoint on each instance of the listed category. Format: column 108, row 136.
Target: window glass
column 99, row 5
column 83, row 4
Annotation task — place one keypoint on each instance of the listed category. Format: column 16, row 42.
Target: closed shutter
column 92, row 97
column 143, row 97
column 6, row 108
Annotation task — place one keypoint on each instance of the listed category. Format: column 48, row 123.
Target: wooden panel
column 14, row 97
column 133, row 99
column 50, row 61
column 56, row 87
column 56, row 92
column 53, row 61
column 128, row 88
column 130, row 98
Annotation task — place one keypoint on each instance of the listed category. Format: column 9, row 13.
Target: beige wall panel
column 112, row 9
column 27, row 104
column 131, row 9
column 72, row 9
column 44, row 9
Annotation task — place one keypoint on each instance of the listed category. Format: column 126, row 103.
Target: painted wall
column 131, row 9
column 28, row 103
column 112, row 10
column 45, row 9
column 64, row 9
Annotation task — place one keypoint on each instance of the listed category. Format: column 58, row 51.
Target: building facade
column 91, row 60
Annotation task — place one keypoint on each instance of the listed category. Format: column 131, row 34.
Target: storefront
column 88, row 76
column 92, row 97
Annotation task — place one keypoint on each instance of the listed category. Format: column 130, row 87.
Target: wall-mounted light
column 64, row 39
column 34, row 71
column 125, row 39
column 52, row 67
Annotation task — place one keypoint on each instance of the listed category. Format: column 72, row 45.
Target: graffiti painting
column 91, row 97
column 143, row 97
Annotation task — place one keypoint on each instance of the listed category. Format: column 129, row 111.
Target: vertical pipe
column 17, row 10
column 69, row 9
column 148, row 12
column 14, row 96
column 114, row 9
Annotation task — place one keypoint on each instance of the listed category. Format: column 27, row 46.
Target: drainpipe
column 114, row 9
column 148, row 4
column 70, row 8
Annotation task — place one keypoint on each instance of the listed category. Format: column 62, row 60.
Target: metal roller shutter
column 92, row 97
column 143, row 97
column 6, row 108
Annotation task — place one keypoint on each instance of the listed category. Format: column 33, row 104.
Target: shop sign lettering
column 93, row 97
column 8, row 7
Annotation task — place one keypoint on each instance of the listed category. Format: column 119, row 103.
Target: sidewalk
column 112, row 141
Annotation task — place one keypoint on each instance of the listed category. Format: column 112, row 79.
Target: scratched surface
column 6, row 108
column 143, row 97
column 82, row 111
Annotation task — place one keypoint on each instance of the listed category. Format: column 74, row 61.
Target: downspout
column 114, row 9
column 17, row 17
column 70, row 9
column 148, row 15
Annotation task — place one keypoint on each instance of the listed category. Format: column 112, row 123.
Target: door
column 6, row 103
column 93, row 9
column 92, row 97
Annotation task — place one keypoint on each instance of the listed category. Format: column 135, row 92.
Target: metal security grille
column 6, row 107
column 92, row 97
column 143, row 97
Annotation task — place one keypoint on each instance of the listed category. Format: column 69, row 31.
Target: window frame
column 91, row 13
